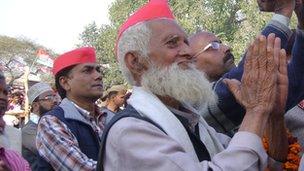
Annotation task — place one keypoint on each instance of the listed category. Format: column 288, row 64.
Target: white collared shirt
column 34, row 118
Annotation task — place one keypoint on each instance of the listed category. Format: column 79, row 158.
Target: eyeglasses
column 213, row 45
column 48, row 97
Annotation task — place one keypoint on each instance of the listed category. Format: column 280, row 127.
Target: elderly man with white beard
column 159, row 130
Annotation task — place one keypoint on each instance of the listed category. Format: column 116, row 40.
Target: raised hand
column 257, row 89
column 282, row 85
column 276, row 130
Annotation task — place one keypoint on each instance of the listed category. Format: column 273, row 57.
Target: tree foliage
column 15, row 53
column 236, row 22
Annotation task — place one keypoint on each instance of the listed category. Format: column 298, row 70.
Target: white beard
column 184, row 85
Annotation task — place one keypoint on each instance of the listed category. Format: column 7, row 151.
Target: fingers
column 256, row 43
column 271, row 44
column 283, row 62
column 235, row 87
column 248, row 59
column 262, row 46
column 262, row 58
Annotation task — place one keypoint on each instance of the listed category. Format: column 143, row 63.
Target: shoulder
column 56, row 111
column 29, row 129
column 50, row 123
column 129, row 130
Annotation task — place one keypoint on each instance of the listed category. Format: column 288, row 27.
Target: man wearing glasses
column 42, row 99
column 213, row 57
column 216, row 60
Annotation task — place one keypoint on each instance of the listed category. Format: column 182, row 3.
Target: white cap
column 36, row 90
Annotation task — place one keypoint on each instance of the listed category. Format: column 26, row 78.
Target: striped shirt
column 13, row 161
column 59, row 147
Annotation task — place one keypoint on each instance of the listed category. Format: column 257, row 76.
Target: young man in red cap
column 159, row 129
column 68, row 136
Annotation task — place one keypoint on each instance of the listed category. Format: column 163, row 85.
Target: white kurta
column 134, row 144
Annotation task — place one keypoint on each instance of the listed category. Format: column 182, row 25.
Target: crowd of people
column 189, row 107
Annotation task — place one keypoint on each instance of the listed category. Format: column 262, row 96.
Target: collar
column 86, row 113
column 301, row 105
column 34, row 118
column 148, row 105
column 191, row 117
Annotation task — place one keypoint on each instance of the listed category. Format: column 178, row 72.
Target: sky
column 55, row 24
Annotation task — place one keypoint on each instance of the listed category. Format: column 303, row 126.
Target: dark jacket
column 29, row 150
column 87, row 138
column 228, row 113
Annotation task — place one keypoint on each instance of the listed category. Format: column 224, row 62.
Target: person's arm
column 58, row 146
column 28, row 140
column 276, row 131
column 231, row 109
column 259, row 82
column 278, row 85
column 135, row 145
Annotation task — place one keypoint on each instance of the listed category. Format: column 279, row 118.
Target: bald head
column 212, row 57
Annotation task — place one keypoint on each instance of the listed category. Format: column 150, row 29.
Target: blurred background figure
column 10, row 159
column 42, row 99
column 113, row 99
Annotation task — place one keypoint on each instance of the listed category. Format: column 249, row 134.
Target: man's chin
column 229, row 65
column 184, row 65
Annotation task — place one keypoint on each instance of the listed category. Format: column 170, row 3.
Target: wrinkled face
column 3, row 97
column 266, row 5
column 85, row 81
column 119, row 99
column 172, row 71
column 45, row 102
column 168, row 44
column 212, row 57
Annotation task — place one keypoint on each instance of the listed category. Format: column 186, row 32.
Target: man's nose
column 226, row 48
column 97, row 75
column 186, row 51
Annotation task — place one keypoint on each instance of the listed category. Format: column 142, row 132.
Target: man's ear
column 135, row 63
column 64, row 82
column 35, row 105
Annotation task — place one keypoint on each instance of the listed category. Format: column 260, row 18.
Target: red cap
column 77, row 56
column 152, row 10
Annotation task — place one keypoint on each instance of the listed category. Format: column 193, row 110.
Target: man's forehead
column 203, row 38
column 47, row 93
column 85, row 65
column 165, row 27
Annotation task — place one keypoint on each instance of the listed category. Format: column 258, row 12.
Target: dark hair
column 35, row 100
column 65, row 72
